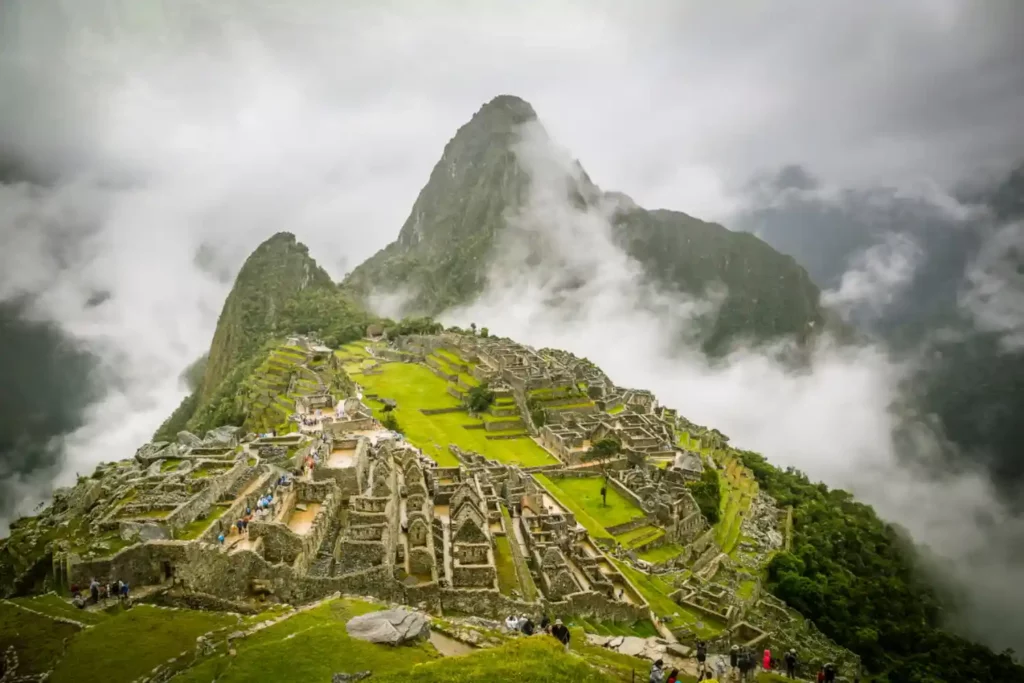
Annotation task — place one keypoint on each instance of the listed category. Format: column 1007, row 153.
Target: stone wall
column 200, row 503
column 618, row 486
column 630, row 525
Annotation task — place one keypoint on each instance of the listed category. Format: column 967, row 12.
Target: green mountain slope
column 280, row 290
column 443, row 252
column 276, row 271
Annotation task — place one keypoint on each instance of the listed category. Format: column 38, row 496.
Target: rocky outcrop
column 390, row 627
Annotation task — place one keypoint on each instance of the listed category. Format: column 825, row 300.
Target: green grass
column 131, row 644
column 507, row 581
column 595, row 528
column 170, row 464
column 196, row 527
column 415, row 387
column 208, row 471
column 55, row 606
column 746, row 589
column 536, row 658
column 310, row 646
column 617, row 409
column 529, row 589
column 661, row 554
column 656, row 591
column 617, row 665
column 587, row 494
column 639, row 536
column 37, row 640
column 574, row 406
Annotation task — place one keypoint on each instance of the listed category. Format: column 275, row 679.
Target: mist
column 147, row 148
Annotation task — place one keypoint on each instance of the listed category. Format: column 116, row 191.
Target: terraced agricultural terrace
column 456, row 473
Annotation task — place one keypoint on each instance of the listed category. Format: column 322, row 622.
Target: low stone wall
column 630, row 525
column 442, row 411
column 506, row 437
column 503, row 425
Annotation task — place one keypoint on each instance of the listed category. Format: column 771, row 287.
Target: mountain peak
column 514, row 109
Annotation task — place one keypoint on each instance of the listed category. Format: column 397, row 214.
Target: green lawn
column 536, row 658
column 415, row 387
column 507, row 581
column 37, row 640
column 662, row 553
column 639, row 536
column 587, row 494
column 195, row 528
column 130, row 644
column 56, row 606
column 311, row 646
column 595, row 528
column 656, row 590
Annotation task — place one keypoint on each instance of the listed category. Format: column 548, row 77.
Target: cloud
column 842, row 419
column 876, row 277
column 994, row 287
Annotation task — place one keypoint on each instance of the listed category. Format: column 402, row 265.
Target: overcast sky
column 167, row 129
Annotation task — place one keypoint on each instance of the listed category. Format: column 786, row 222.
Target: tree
column 484, row 332
column 605, row 448
column 389, row 421
column 472, row 327
column 479, row 398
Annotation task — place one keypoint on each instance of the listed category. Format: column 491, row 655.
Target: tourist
column 512, row 623
column 657, row 672
column 239, row 525
column 94, row 591
column 545, row 624
column 746, row 663
column 790, row 664
column 124, row 590
column 830, row 673
column 673, row 676
column 734, row 658
column 561, row 633
column 526, row 626
column 766, row 660
column 721, row 668
column 220, row 538
column 702, row 654
column 821, row 675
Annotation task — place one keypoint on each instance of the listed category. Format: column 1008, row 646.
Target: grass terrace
column 738, row 489
column 170, row 464
column 662, row 553
column 639, row 536
column 414, row 387
column 37, row 639
column 129, row 645
column 55, row 606
column 520, row 659
column 656, row 591
column 507, row 580
column 586, row 494
column 195, row 528
column 209, row 470
column 310, row 646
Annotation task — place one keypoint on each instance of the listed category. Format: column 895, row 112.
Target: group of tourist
column 99, row 592
column 524, row 625
column 657, row 674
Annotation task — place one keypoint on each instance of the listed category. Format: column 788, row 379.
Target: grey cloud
column 994, row 292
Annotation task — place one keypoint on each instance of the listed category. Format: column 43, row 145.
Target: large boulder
column 189, row 440
column 390, row 626
column 226, row 436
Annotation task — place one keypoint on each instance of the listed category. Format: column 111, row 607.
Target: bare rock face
column 391, row 627
column 189, row 439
